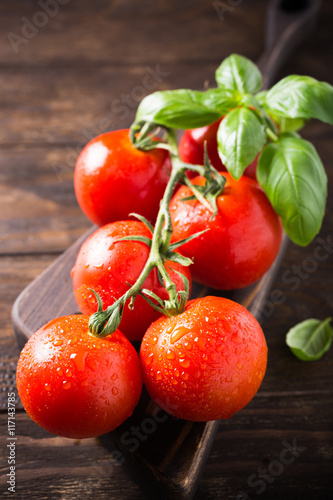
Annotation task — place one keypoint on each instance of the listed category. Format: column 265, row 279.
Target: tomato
column 191, row 149
column 75, row 385
column 107, row 266
column 243, row 238
column 113, row 179
column 206, row 363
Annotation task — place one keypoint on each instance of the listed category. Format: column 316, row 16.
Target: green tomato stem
column 99, row 324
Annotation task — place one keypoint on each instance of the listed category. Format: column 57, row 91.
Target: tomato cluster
column 204, row 363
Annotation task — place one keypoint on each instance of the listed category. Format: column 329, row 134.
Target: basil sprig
column 259, row 122
column 310, row 339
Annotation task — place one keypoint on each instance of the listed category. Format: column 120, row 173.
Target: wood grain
column 64, row 82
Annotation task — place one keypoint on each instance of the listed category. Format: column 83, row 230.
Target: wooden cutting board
column 171, row 460
column 176, row 450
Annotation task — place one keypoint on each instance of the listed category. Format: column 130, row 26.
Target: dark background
column 79, row 74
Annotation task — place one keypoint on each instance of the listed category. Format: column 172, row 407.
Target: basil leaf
column 185, row 109
column 239, row 73
column 301, row 97
column 288, row 124
column 293, row 177
column 240, row 137
column 310, row 339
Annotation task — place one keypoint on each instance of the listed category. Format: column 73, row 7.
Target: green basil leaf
column 185, row 109
column 240, row 137
column 239, row 73
column 310, row 339
column 293, row 177
column 288, row 124
column 261, row 96
column 301, row 97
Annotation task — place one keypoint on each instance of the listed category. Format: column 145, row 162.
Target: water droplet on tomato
column 58, row 342
column 150, row 359
column 170, row 354
column 185, row 363
column 176, row 372
column 184, row 376
column 188, row 346
column 68, row 372
column 159, row 375
column 59, row 371
column 213, row 356
column 229, row 379
column 79, row 360
column 66, row 384
column 212, row 320
column 47, row 387
column 115, row 391
column 114, row 376
column 154, row 340
column 99, row 266
column 91, row 362
column 178, row 333
column 72, row 341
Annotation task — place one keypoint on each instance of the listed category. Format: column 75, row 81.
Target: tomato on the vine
column 192, row 147
column 109, row 267
column 243, row 239
column 112, row 178
column 206, row 363
column 76, row 385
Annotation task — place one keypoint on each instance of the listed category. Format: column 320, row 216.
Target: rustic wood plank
column 243, row 445
column 39, row 210
column 62, row 83
column 128, row 28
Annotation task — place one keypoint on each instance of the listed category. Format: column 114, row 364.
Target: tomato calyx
column 213, row 187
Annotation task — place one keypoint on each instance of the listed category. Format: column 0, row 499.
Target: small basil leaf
column 240, row 137
column 310, row 339
column 185, row 109
column 261, row 96
column 239, row 73
column 301, row 97
column 293, row 177
column 288, row 124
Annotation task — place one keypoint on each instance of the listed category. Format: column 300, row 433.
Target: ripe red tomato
column 191, row 149
column 243, row 238
column 206, row 363
column 113, row 179
column 107, row 267
column 75, row 385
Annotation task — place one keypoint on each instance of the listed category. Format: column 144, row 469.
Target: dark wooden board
column 295, row 399
column 173, row 461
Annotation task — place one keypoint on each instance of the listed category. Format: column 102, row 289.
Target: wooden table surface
column 80, row 72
